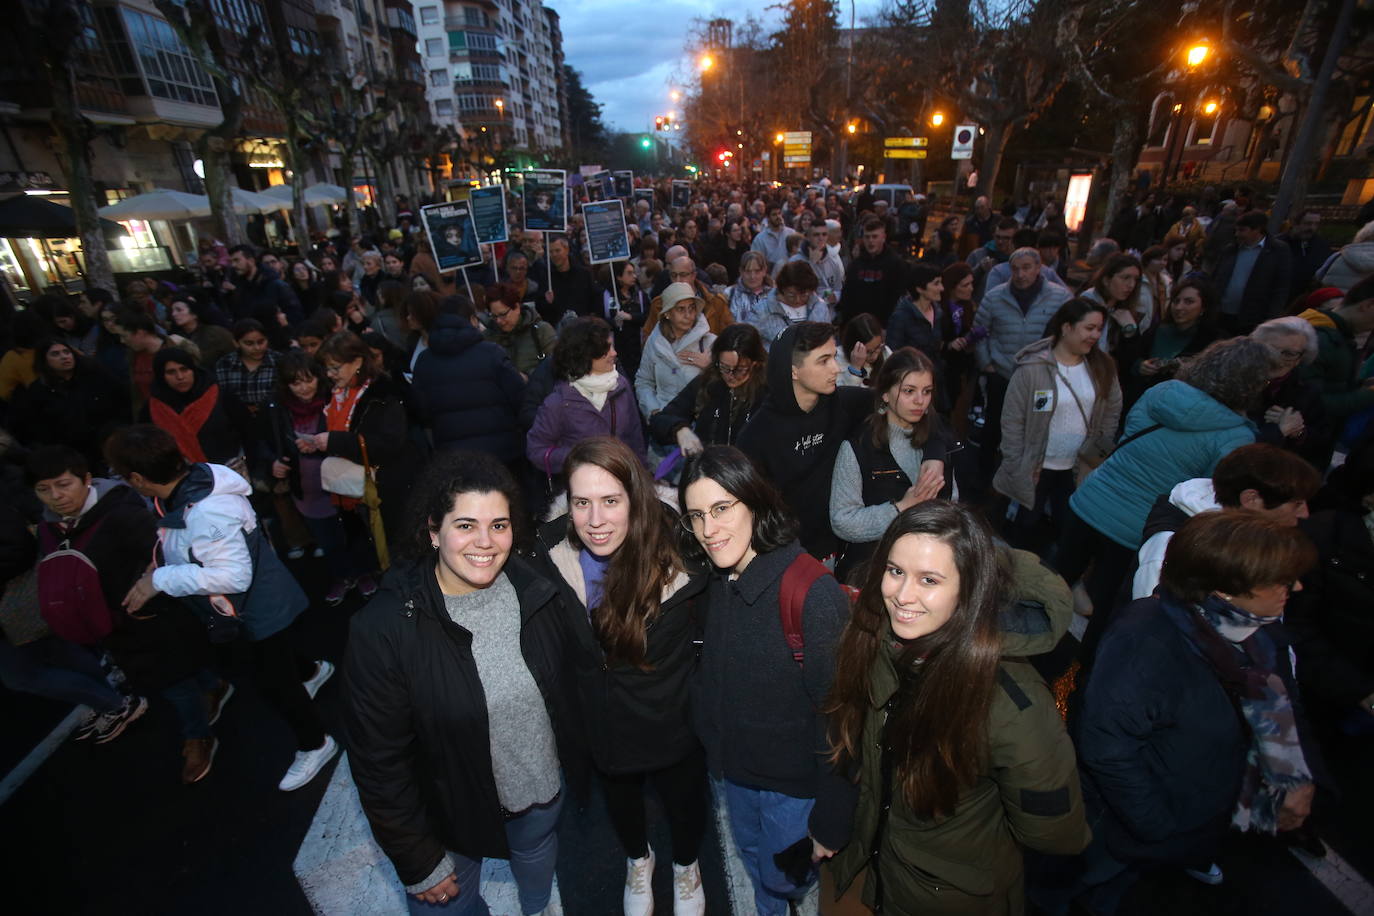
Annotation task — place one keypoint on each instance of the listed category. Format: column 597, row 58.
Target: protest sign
column 607, row 238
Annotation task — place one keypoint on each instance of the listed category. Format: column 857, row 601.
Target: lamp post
column 1194, row 57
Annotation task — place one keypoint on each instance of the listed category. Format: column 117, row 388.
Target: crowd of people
column 794, row 508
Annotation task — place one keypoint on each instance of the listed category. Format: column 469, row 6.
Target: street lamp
column 937, row 119
column 1197, row 54
column 1210, row 107
column 778, row 138
column 706, row 62
column 851, row 127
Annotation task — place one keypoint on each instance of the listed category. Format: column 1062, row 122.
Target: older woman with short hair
column 1290, row 412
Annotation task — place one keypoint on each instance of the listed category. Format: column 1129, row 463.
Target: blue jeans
column 533, row 840
column 187, row 697
column 763, row 824
column 59, row 670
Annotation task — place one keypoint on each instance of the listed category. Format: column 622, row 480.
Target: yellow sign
column 904, row 154
column 919, row 142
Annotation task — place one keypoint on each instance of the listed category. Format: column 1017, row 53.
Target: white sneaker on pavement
column 688, row 897
column 639, row 891
column 323, row 671
column 307, row 764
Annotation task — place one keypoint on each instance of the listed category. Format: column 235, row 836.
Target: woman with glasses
column 882, row 471
column 794, row 299
column 863, row 348
column 757, row 700
column 517, row 328
column 1290, row 413
column 628, row 598
column 747, row 296
column 677, row 350
column 715, row 405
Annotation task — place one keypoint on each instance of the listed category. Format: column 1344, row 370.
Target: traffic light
column 658, row 123
column 667, row 122
column 645, row 142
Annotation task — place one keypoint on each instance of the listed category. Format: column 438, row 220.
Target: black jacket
column 1266, row 290
column 78, row 413
column 416, row 721
column 467, row 391
column 757, row 713
column 574, row 290
column 1294, row 391
column 715, row 424
column 261, row 298
column 380, row 419
column 796, row 449
column 633, row 720
column 873, row 285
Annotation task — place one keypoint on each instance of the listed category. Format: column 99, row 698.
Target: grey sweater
column 851, row 519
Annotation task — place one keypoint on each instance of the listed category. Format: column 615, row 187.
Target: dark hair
column 1101, row 366
column 100, row 296
column 333, row 281
column 953, row 275
column 246, row 249
column 145, row 449
column 295, row 364
column 891, row 372
column 1153, row 253
column 133, row 319
column 873, row 224
column 421, row 306
column 1050, row 238
column 810, row 335
column 774, row 525
column 1114, row 265
column 1276, row 474
column 448, row 476
column 1255, row 219
column 745, row 340
column 313, row 327
column 49, row 461
column 938, row 733
column 344, row 347
column 919, row 276
column 1006, row 223
column 245, row 326
column 1233, row 552
column 862, row 327
column 1205, row 291
column 797, row 275
column 40, row 358
column 644, row 564
column 584, row 339
column 458, row 305
column 1025, row 237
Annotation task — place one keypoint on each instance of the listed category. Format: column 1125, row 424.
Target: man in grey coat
column 1015, row 314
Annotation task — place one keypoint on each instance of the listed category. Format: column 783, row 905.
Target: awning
column 317, row 195
column 26, row 217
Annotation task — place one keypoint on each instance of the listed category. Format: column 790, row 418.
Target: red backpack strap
column 797, row 580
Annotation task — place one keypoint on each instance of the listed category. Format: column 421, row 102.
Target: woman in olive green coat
column 960, row 754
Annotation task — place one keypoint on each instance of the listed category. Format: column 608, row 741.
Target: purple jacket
column 566, row 417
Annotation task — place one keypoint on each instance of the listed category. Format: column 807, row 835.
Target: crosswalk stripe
column 1341, row 878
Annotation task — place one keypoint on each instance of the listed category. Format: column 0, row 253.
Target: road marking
column 342, row 870
column 1340, row 877
column 44, row 749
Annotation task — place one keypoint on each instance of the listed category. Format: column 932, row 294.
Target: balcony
column 455, row 55
column 476, row 83
column 329, row 9
column 401, row 21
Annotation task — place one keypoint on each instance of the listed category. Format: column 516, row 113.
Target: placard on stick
column 488, row 206
column 546, row 200
column 682, row 193
column 607, row 238
column 451, row 234
column 645, row 194
column 624, row 183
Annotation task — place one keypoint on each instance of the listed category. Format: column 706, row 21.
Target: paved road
column 111, row 830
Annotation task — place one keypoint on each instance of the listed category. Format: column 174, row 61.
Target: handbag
column 20, row 618
column 343, row 477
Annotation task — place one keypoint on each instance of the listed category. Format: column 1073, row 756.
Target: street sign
column 796, row 147
column 904, row 154
column 919, row 142
column 963, row 141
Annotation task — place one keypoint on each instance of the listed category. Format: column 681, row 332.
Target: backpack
column 797, row 580
column 69, row 594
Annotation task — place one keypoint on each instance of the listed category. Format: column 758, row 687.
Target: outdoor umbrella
column 27, row 217
column 253, row 202
column 159, row 203
column 317, row 195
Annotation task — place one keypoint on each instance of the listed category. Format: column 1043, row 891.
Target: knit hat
column 395, row 234
column 676, row 294
column 1319, row 297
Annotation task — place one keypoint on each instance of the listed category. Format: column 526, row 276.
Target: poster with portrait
column 607, row 238
column 624, row 183
column 682, row 194
column 645, row 194
column 546, row 200
column 488, row 207
column 601, row 186
column 451, row 234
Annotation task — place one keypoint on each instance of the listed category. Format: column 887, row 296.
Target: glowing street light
column 675, row 95
column 500, row 104
column 937, row 119
column 1197, row 54
column 778, row 138
column 851, row 127
column 1210, row 107
column 706, row 62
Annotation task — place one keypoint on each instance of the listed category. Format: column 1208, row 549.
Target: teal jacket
column 1196, row 431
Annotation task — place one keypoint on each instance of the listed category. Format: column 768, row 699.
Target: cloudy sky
column 630, row 51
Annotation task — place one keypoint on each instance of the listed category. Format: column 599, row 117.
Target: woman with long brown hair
column 960, row 753
column 715, row 405
column 628, row 595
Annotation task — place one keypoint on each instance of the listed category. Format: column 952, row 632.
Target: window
column 1160, row 119
column 169, row 71
column 474, row 17
column 438, row 77
column 443, row 108
column 429, row 15
column 434, row 47
column 458, row 41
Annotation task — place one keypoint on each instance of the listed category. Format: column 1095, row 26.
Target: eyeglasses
column 797, row 295
column 499, row 315
column 739, row 371
column 694, row 521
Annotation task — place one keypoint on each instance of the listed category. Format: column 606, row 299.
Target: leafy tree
column 589, row 139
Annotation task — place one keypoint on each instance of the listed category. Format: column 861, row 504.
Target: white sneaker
column 555, row 908
column 323, row 671
column 688, row 897
column 307, row 764
column 639, row 891
column 1213, row 875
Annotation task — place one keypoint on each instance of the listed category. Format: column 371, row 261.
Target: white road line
column 45, row 749
column 1341, row 879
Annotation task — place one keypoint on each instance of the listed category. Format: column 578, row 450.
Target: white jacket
column 209, row 556
column 1191, row 496
column 661, row 374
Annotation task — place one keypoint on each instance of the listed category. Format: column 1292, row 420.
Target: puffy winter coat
column 1350, row 265
column 528, row 344
column 566, row 418
column 468, row 392
column 661, row 373
column 1010, row 330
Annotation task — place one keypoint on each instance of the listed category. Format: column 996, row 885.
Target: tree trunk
column 1125, row 148
column 68, row 123
column 218, row 186
column 300, row 213
column 386, row 191
column 1256, row 161
column 994, row 145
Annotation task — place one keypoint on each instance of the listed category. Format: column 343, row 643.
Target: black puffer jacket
column 467, row 391
column 718, row 423
column 634, row 721
column 416, row 717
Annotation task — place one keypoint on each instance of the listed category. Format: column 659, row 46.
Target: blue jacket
column 468, row 392
column 1196, row 432
column 1011, row 330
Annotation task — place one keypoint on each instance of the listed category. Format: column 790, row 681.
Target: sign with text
column 682, row 194
column 488, row 206
column 607, row 238
column 546, row 200
column 451, row 234
column 796, row 147
column 918, row 142
column 904, row 154
column 645, row 194
column 600, row 186
column 624, row 183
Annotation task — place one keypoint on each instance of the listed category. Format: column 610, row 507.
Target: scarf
column 1225, row 635
column 1025, row 298
column 305, row 414
column 338, row 413
column 185, row 425
column 595, row 388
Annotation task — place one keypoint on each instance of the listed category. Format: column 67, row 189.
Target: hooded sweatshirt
column 795, row 449
column 1349, row 266
column 1169, row 513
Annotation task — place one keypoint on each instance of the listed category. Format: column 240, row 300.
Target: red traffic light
column 721, row 155
column 658, row 123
